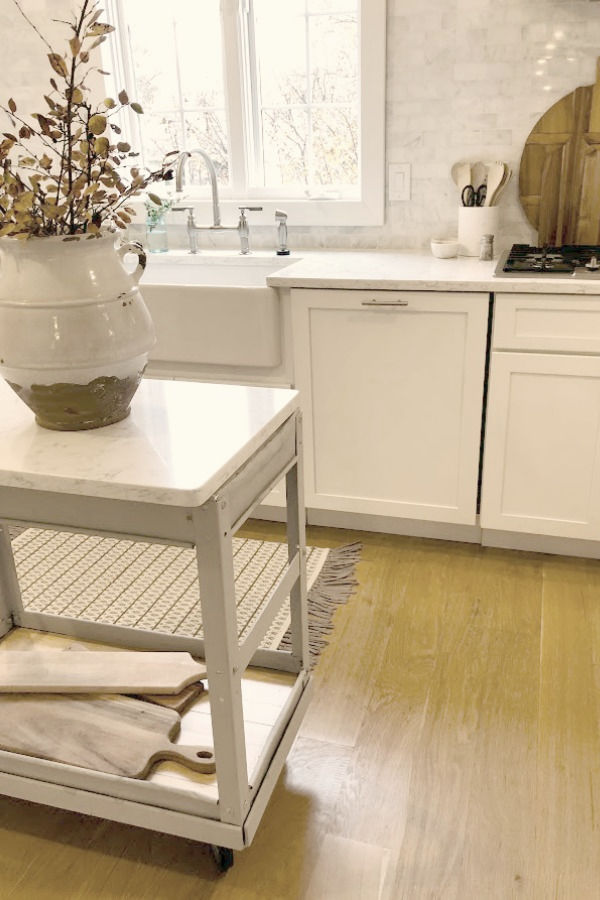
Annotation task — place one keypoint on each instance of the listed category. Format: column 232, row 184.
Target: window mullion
column 254, row 129
column 231, row 13
column 122, row 72
column 180, row 91
column 310, row 163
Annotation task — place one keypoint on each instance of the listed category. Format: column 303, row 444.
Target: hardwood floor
column 451, row 750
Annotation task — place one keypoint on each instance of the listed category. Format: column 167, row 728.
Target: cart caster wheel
column 223, row 856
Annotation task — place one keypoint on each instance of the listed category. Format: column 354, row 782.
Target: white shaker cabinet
column 541, row 473
column 391, row 386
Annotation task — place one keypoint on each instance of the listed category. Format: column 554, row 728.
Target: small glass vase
column 157, row 240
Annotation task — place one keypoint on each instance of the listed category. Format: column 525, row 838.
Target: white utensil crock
column 473, row 223
column 74, row 329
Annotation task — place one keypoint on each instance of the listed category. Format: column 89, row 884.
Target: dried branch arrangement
column 66, row 171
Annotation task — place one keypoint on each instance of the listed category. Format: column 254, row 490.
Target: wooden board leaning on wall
column 559, row 178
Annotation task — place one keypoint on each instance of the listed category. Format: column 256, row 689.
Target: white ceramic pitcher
column 74, row 329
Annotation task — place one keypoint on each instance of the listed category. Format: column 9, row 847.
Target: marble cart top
column 181, row 442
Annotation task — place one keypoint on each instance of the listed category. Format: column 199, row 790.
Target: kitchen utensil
column 494, row 180
column 444, row 248
column 471, row 197
column 559, row 170
column 500, row 189
column 178, row 702
column 479, row 172
column 116, row 735
column 461, row 174
column 86, row 672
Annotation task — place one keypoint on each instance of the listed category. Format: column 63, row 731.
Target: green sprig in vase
column 157, row 240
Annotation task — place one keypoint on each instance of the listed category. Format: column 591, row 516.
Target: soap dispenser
column 281, row 219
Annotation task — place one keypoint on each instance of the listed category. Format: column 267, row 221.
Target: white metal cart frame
column 50, row 479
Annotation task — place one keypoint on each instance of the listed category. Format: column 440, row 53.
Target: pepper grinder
column 486, row 251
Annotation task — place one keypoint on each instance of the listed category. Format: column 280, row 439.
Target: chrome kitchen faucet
column 192, row 227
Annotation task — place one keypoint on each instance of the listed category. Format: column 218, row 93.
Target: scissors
column 472, row 197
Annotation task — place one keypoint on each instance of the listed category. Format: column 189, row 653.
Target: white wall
column 462, row 82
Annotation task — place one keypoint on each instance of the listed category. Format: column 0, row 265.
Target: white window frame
column 368, row 210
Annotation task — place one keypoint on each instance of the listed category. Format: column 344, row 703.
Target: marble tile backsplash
column 465, row 79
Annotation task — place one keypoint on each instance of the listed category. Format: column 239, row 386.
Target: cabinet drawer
column 559, row 322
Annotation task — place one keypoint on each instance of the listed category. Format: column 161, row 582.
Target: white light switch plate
column 398, row 182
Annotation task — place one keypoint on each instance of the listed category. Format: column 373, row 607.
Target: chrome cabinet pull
column 384, row 302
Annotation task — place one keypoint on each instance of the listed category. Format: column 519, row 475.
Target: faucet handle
column 280, row 215
column 244, row 209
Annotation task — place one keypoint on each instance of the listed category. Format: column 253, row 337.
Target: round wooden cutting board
column 559, row 177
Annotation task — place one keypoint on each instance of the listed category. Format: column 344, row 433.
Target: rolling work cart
column 186, row 468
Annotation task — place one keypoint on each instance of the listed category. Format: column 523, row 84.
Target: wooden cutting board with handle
column 119, row 736
column 180, row 701
column 85, row 672
column 559, row 175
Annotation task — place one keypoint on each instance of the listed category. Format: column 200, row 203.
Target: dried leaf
column 155, row 199
column 84, row 56
column 123, row 147
column 123, row 98
column 98, row 41
column 99, row 28
column 75, row 45
column 12, row 105
column 109, row 102
column 22, row 202
column 136, row 108
column 97, row 124
column 102, row 146
column 43, row 122
column 95, row 16
column 58, row 64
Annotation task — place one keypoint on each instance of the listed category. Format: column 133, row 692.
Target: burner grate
column 564, row 260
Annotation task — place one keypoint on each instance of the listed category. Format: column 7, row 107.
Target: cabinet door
column 542, row 445
column 392, row 396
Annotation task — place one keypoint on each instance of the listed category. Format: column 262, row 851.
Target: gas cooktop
column 576, row 260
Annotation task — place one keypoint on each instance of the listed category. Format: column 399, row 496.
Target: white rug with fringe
column 155, row 586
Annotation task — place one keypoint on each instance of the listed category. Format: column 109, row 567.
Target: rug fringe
column 333, row 587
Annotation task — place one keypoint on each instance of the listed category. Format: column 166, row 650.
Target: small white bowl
column 444, row 248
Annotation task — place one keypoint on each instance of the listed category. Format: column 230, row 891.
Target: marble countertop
column 414, row 270
column 181, row 442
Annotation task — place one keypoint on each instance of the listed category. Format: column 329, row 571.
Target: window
column 287, row 98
